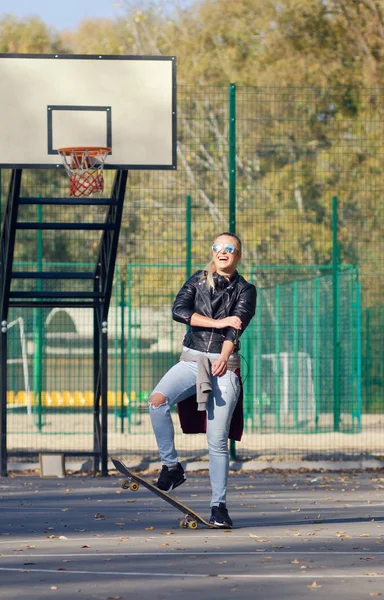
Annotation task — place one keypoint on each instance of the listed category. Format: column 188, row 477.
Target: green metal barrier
column 298, row 177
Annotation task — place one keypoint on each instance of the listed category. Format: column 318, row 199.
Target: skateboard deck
column 191, row 518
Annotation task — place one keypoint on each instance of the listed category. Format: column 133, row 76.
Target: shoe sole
column 227, row 525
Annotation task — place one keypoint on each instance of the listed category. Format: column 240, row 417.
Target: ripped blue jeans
column 178, row 384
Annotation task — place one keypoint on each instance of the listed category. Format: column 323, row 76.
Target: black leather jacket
column 233, row 298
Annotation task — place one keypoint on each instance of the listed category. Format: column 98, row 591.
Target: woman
column 217, row 304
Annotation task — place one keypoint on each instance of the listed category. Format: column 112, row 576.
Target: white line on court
column 334, row 510
column 197, row 575
column 353, row 553
column 96, row 538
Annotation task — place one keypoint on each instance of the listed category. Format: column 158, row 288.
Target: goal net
column 18, row 382
column 287, row 388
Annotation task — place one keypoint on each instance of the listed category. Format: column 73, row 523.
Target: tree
column 30, row 35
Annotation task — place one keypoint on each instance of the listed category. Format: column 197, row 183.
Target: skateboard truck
column 129, row 484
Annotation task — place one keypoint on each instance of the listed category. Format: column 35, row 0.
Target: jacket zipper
column 210, row 340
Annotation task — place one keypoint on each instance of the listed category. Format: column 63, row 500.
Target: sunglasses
column 230, row 248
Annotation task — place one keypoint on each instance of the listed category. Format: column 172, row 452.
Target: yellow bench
column 66, row 398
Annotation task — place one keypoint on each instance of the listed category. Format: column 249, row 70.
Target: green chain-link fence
column 266, row 163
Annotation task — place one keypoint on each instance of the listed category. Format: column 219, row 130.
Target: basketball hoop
column 84, row 165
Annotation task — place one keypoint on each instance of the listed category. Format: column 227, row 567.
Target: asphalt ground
column 296, row 535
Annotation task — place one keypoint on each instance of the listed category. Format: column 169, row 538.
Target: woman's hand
column 219, row 367
column 234, row 322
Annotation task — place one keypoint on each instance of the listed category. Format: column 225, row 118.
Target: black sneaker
column 169, row 479
column 220, row 516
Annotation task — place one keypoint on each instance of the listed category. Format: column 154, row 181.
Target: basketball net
column 84, row 166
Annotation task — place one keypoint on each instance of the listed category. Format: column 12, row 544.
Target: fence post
column 259, row 358
column 358, row 353
column 122, row 356
column 232, row 186
column 336, row 315
column 278, row 364
column 38, row 331
column 188, row 237
column 129, row 347
column 116, row 348
column 232, row 158
column 295, row 354
column 316, row 350
column 367, row 360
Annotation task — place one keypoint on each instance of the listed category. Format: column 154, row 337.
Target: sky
column 63, row 14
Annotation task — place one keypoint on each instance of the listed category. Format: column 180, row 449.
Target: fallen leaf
column 365, row 535
column 62, row 537
column 257, row 538
column 314, row 586
column 85, row 546
column 151, row 528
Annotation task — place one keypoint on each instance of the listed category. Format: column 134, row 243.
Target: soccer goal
column 18, row 360
column 287, row 387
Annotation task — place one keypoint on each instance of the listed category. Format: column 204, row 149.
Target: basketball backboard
column 125, row 102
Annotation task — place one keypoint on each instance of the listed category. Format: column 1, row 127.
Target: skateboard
column 133, row 481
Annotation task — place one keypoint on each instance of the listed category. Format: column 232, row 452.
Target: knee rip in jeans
column 157, row 400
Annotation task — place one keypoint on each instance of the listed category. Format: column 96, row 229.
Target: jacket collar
column 222, row 286
column 222, row 282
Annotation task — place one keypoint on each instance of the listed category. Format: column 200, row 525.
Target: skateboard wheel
column 133, row 486
column 183, row 524
column 192, row 524
column 123, row 484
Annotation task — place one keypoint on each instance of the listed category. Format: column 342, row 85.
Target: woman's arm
column 219, row 366
column 183, row 306
column 245, row 309
column 197, row 320
column 183, row 311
